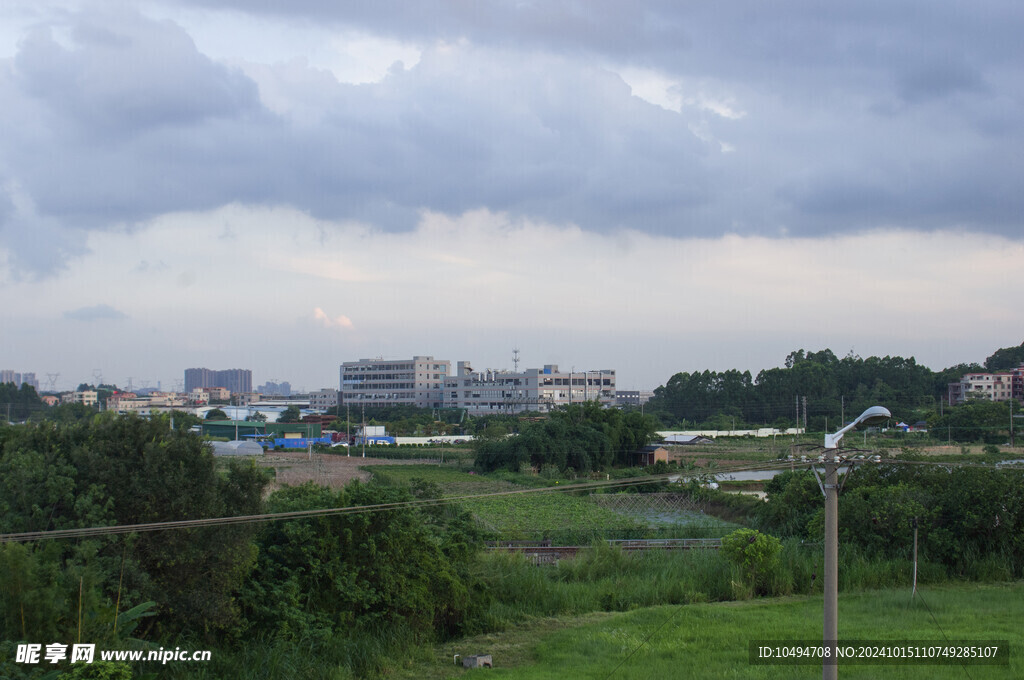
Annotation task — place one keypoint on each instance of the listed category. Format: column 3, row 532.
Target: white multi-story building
column 392, row 382
column 1000, row 386
column 87, row 397
column 535, row 389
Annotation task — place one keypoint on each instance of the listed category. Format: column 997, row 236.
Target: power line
column 88, row 532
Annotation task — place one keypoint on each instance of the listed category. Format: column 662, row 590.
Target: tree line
column 969, row 519
column 818, row 388
column 581, row 437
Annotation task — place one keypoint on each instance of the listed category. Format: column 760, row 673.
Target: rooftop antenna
column 515, row 359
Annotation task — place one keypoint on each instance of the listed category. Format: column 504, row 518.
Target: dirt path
column 294, row 467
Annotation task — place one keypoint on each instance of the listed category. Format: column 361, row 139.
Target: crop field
column 552, row 515
column 453, row 482
column 563, row 517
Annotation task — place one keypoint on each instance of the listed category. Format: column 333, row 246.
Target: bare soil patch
column 297, row 467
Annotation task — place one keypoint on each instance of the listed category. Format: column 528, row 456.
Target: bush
column 756, row 554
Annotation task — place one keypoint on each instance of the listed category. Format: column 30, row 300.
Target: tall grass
column 605, row 578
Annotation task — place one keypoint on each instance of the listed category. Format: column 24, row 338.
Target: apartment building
column 1001, row 386
column 232, row 379
column 87, row 397
column 19, row 379
column 391, row 382
column 535, row 389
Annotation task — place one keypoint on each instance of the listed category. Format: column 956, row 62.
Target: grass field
column 711, row 640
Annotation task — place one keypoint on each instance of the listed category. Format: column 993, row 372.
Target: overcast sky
column 651, row 187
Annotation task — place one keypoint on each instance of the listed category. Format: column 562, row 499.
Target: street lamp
column 873, row 416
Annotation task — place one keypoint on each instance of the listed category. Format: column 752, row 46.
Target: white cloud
column 340, row 321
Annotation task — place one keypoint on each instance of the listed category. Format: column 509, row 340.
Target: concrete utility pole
column 914, row 591
column 830, row 582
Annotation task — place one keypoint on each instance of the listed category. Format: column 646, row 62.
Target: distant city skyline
column 331, row 382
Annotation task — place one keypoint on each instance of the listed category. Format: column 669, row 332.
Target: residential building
column 125, row 401
column 204, row 395
column 232, row 379
column 19, row 379
column 218, row 393
column 246, row 398
column 393, row 382
column 649, row 455
column 87, row 397
column 535, row 389
column 324, row 399
column 1001, row 386
column 274, row 389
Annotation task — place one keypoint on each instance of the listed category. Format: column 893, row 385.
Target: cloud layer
column 799, row 120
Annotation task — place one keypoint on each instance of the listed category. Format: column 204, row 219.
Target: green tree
column 583, row 437
column 1005, row 358
column 216, row 414
column 342, row 574
column 291, row 414
column 975, row 420
column 124, row 470
column 18, row 403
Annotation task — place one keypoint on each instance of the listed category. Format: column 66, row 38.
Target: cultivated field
column 569, row 518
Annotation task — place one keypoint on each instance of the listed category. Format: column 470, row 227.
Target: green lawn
column 711, row 640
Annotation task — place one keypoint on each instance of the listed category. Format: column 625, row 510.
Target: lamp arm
column 832, row 440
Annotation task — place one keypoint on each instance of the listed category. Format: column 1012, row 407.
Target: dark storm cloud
column 175, row 131
column 843, row 117
column 602, row 25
